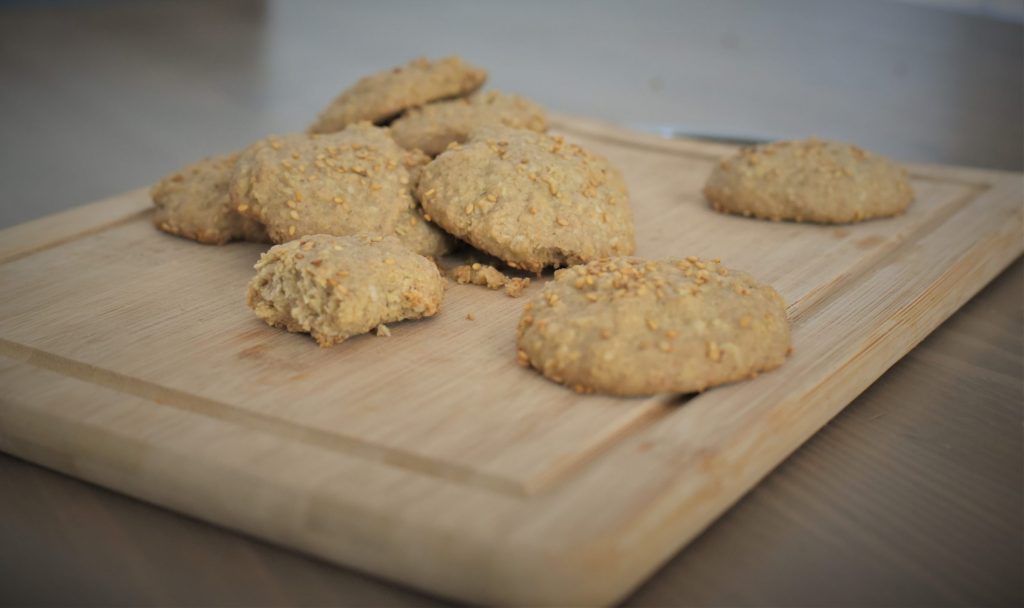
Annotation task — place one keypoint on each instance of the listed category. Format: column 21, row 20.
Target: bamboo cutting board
column 128, row 358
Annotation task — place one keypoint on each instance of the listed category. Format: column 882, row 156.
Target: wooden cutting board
column 128, row 358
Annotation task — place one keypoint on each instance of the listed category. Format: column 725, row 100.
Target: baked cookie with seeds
column 434, row 126
column 337, row 287
column 357, row 180
column 628, row 326
column 809, row 180
column 384, row 95
column 530, row 199
column 194, row 203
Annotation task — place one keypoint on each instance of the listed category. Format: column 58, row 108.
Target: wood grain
column 372, row 453
column 908, row 497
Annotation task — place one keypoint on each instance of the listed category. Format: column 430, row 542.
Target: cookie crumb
column 470, row 316
column 515, row 287
column 479, row 274
column 383, row 331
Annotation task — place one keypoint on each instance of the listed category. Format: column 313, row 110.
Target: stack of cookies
column 407, row 164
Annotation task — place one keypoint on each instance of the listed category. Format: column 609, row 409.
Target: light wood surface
column 137, row 367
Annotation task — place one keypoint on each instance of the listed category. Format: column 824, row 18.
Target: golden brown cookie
column 194, row 203
column 529, row 199
column 628, row 326
column 809, row 180
column 357, row 180
column 434, row 126
column 382, row 96
column 336, row 287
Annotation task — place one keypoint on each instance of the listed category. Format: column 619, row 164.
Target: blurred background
column 101, row 97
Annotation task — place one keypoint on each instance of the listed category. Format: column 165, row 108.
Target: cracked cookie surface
column 337, row 287
column 434, row 126
column 193, row 203
column 356, row 180
column 530, row 199
column 386, row 94
column 629, row 326
column 809, row 180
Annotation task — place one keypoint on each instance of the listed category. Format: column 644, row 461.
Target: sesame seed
column 713, row 351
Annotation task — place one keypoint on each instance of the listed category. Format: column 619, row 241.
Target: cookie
column 194, row 203
column 434, row 126
column 628, row 326
column 529, row 199
column 337, row 287
column 809, row 181
column 382, row 96
column 357, row 180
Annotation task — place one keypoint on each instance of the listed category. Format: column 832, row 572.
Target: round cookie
column 194, row 203
column 434, row 126
column 357, row 180
column 628, row 326
column 529, row 199
column 386, row 94
column 337, row 287
column 809, row 180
